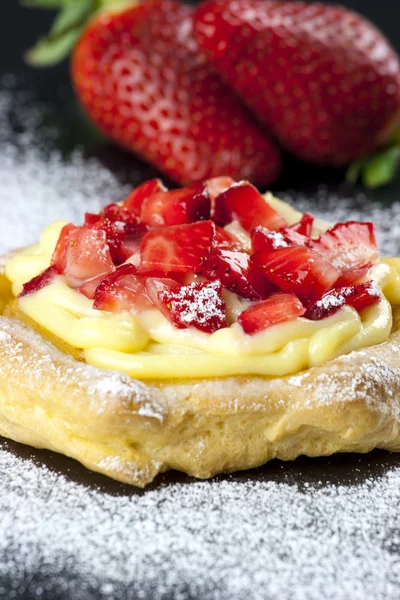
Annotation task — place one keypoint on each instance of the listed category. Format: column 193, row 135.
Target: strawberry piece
column 358, row 296
column 265, row 239
column 304, row 226
column 82, row 254
column 177, row 207
column 134, row 201
column 243, row 202
column 323, row 79
column 298, row 270
column 123, row 290
column 232, row 269
column 198, row 305
column 276, row 309
column 348, row 246
column 216, row 185
column 40, row 281
column 260, row 284
column 91, row 219
column 139, row 74
column 181, row 249
column 353, row 275
column 119, row 223
column 225, row 240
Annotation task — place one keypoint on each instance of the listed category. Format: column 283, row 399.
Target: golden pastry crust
column 132, row 430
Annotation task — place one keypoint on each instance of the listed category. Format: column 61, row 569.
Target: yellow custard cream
column 147, row 346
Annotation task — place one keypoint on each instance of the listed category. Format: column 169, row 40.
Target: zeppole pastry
column 207, row 329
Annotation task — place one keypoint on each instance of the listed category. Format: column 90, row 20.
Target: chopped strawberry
column 40, row 281
column 82, row 254
column 225, row 240
column 136, row 198
column 304, row 226
column 352, row 276
column 348, row 246
column 216, row 185
column 276, row 309
column 122, row 290
column 265, row 239
column 358, row 296
column 242, row 201
column 262, row 286
column 177, row 207
column 91, row 219
column 298, row 270
column 59, row 257
column 198, row 305
column 232, row 269
column 182, row 248
column 118, row 224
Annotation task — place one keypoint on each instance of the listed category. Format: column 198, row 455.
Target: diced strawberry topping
column 136, row 198
column 242, row 201
column 348, row 246
column 177, row 207
column 119, row 223
column 266, row 239
column 91, row 219
column 198, row 305
column 40, row 281
column 182, row 248
column 232, row 269
column 358, row 296
column 123, row 290
column 82, row 254
column 276, row 309
column 216, row 185
column 298, row 270
column 225, row 240
column 304, row 226
column 353, row 275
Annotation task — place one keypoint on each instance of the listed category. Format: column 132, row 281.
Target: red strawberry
column 298, row 270
column 82, row 254
column 138, row 73
column 122, row 290
column 39, row 282
column 304, row 226
column 118, row 223
column 276, row 309
column 177, row 207
column 323, row 79
column 350, row 247
column 232, row 269
column 225, row 240
column 217, row 185
column 242, row 201
column 265, row 239
column 180, row 249
column 198, row 305
column 136, row 198
column 358, row 296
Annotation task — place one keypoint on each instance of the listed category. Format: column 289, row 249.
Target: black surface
column 51, row 89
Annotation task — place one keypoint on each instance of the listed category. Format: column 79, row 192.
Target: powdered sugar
column 252, row 537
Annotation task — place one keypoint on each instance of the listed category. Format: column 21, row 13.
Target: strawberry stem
column 68, row 26
column 379, row 169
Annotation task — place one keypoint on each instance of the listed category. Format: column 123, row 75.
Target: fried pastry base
column 132, row 430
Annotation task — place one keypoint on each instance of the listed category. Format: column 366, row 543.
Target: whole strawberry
column 323, row 79
column 138, row 73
